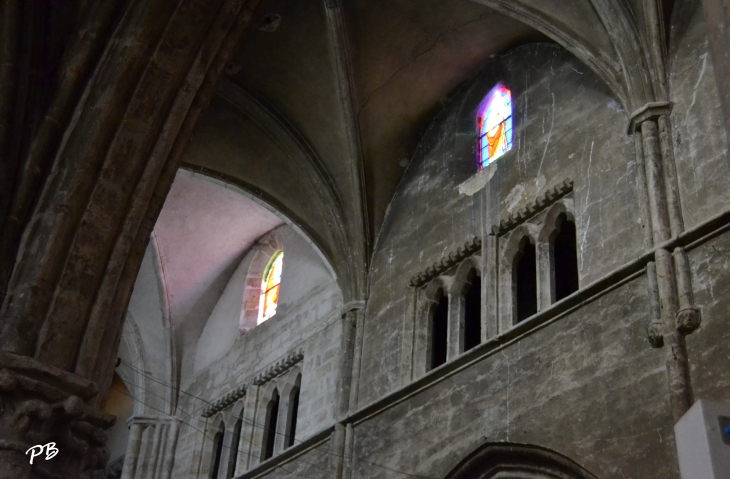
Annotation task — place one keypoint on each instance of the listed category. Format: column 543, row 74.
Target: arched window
column 439, row 330
column 270, row 288
column 565, row 258
column 494, row 126
column 215, row 463
column 272, row 417
column 525, row 280
column 293, row 413
column 233, row 457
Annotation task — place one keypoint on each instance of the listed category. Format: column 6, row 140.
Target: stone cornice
column 543, row 202
column 447, row 262
column 225, row 401
column 263, row 377
column 279, row 367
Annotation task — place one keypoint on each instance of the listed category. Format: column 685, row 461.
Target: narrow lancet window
column 473, row 314
column 215, row 463
column 565, row 259
column 270, row 288
column 235, row 440
column 525, row 278
column 272, row 417
column 294, row 409
column 494, row 126
column 439, row 330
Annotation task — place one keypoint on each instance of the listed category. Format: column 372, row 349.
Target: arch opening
column 525, row 280
column 565, row 258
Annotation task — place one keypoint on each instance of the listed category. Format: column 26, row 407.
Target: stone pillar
column 357, row 356
column 338, row 448
column 249, row 449
column 408, row 342
column 345, row 366
column 545, row 283
column 668, row 275
column 455, row 334
column 43, row 404
column 151, row 448
column 490, row 290
column 170, row 448
column 132, row 455
column 94, row 178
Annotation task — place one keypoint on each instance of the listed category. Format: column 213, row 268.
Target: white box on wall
column 703, row 441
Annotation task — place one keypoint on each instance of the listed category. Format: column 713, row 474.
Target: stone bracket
column 541, row 203
column 688, row 320
column 655, row 334
column 274, row 370
column 447, row 262
column 225, row 401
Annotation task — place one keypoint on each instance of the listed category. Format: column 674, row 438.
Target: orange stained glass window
column 494, row 124
column 270, row 288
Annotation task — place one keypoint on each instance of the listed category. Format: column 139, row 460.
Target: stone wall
column 567, row 126
column 580, row 377
column 307, row 320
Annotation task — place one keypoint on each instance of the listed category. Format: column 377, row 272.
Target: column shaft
column 130, row 460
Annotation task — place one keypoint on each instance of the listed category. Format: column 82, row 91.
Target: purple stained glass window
column 494, row 124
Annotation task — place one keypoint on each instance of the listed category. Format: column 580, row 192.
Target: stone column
column 545, row 283
column 409, row 336
column 43, row 404
column 455, row 334
column 171, row 447
column 92, row 184
column 345, row 366
column 249, row 448
column 132, row 455
column 357, row 356
column 669, row 273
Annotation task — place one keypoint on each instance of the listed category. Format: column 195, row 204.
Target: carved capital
column 688, row 320
column 40, row 404
column 655, row 333
column 650, row 111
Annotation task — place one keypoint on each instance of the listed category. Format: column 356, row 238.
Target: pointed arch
column 218, row 431
column 558, row 254
column 271, row 419
column 467, row 290
column 502, row 460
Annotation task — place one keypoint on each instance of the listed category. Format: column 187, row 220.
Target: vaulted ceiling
column 324, row 104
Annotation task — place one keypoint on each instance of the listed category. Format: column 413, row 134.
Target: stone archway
column 517, row 461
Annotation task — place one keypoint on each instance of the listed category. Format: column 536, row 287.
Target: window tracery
column 494, row 126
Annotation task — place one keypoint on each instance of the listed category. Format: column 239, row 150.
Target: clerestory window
column 494, row 126
column 270, row 286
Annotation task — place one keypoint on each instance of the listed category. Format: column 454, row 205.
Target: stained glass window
column 270, row 288
column 494, row 124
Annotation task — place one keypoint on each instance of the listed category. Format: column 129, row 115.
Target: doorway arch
column 517, row 461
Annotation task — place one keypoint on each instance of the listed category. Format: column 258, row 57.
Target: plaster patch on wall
column 514, row 197
column 478, row 181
